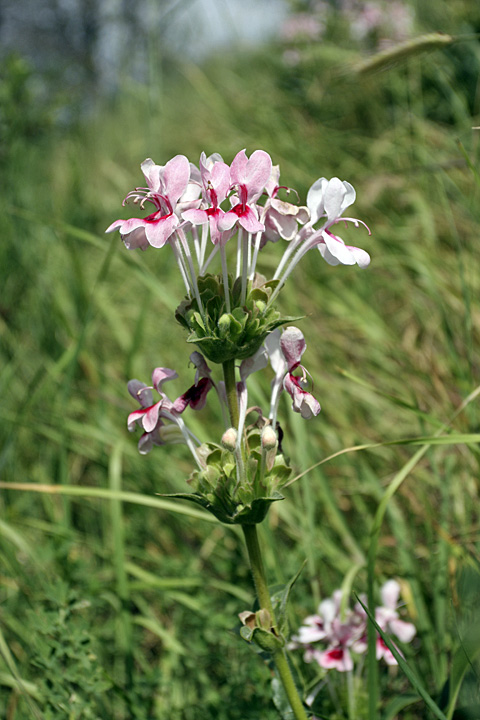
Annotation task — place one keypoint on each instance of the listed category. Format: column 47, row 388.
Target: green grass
column 151, row 593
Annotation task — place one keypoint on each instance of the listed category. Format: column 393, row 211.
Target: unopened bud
column 269, row 438
column 263, row 619
column 229, row 439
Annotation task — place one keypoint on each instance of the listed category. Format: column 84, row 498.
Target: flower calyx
column 237, row 334
column 258, row 628
column 234, row 500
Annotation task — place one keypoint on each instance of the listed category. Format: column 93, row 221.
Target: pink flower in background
column 388, row 619
column 166, row 185
column 344, row 631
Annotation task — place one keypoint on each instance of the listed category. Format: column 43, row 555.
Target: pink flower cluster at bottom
column 344, row 631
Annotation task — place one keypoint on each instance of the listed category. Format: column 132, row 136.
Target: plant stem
column 256, row 560
column 231, row 391
column 279, row 656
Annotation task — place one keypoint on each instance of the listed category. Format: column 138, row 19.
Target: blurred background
column 111, row 609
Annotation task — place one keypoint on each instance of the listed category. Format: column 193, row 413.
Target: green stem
column 231, row 391
column 279, row 656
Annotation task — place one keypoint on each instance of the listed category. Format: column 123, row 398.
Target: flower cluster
column 231, row 316
column 331, row 636
column 187, row 208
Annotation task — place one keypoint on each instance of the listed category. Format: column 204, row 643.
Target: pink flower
column 280, row 218
column 151, row 415
column 330, row 198
column 388, row 619
column 166, row 186
column 293, row 346
column 249, row 176
column 215, row 178
column 344, row 631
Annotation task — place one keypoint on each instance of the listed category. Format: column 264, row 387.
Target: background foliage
column 115, row 609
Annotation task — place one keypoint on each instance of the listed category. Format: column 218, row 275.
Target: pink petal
column 273, row 181
column 161, row 375
column 338, row 196
column 390, row 592
column 227, row 221
column 196, row 217
column 140, row 392
column 150, row 417
column 258, row 170
column 336, row 250
column 336, row 658
column 114, row 226
column 361, row 257
column 152, row 174
column 238, row 168
column 176, row 175
column 159, row 231
column 403, row 630
column 133, row 417
column 303, row 401
column 248, row 220
column 220, row 179
column 293, row 346
column 135, row 239
column 195, row 396
column 315, row 199
column 275, row 355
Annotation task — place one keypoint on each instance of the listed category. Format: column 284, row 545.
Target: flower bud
column 269, row 438
column 229, row 439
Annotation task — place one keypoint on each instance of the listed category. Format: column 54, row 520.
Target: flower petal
column 293, row 345
column 176, row 175
column 390, row 592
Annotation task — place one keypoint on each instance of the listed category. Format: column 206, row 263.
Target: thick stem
column 279, row 656
column 231, row 391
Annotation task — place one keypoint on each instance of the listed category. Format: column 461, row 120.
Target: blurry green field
column 140, row 603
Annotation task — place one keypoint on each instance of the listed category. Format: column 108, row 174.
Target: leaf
column 280, row 699
column 105, row 494
column 404, row 666
column 399, row 703
column 280, row 601
column 462, row 660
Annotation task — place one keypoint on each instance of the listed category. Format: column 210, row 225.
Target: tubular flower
column 281, row 218
column 330, row 199
column 151, row 416
column 166, row 185
column 293, row 346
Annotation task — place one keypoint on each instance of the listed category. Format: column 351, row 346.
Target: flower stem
column 279, row 656
column 231, row 391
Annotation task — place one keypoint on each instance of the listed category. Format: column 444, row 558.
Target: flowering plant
column 232, row 318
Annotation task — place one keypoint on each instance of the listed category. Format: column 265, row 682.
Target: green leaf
column 280, row 601
column 399, row 703
column 280, row 699
column 463, row 659
column 404, row 666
